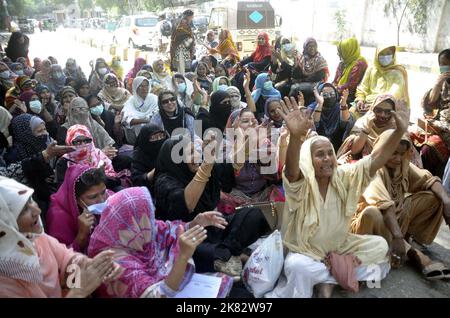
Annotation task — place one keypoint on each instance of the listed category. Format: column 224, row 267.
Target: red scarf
column 262, row 51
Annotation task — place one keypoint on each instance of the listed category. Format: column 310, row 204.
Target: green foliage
column 341, row 22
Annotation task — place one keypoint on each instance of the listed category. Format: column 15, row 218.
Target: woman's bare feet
column 325, row 290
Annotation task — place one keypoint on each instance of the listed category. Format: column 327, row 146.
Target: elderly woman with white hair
column 321, row 198
column 139, row 109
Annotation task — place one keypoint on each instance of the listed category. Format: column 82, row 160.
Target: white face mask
column 103, row 70
column 235, row 101
column 385, row 60
column 5, row 74
column 97, row 209
column 222, row 88
column 36, row 106
column 288, row 47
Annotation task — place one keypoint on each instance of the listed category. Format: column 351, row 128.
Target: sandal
column 436, row 271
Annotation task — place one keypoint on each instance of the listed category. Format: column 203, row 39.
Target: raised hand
column 344, row 98
column 319, row 97
column 110, row 152
column 345, row 158
column 361, row 106
column 401, row 120
column 212, row 218
column 189, row 240
column 301, row 99
column 296, row 119
column 247, row 78
column 53, row 150
column 209, row 148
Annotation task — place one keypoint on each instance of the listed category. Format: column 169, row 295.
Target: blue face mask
column 444, row 69
column 182, row 88
column 97, row 110
column 268, row 86
column 222, row 88
column 288, row 47
column 97, row 209
column 386, row 60
column 19, row 72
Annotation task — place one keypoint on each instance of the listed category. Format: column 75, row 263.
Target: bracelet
column 365, row 132
column 317, row 111
column 201, row 176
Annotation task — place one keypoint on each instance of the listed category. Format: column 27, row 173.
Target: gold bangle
column 201, row 176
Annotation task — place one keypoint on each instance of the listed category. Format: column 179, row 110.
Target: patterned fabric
column 18, row 257
column 86, row 154
column 312, row 64
column 145, row 247
column 25, row 142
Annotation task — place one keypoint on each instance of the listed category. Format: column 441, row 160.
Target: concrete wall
column 443, row 39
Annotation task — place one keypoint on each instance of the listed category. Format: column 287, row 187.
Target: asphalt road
column 404, row 282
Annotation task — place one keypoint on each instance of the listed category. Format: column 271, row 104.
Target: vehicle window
column 146, row 22
column 218, row 19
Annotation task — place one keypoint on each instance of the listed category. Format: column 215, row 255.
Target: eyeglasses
column 378, row 110
column 167, row 101
column 79, row 142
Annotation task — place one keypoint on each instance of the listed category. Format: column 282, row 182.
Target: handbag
column 272, row 211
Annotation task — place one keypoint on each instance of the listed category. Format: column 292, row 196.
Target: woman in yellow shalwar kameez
column 321, row 199
column 384, row 77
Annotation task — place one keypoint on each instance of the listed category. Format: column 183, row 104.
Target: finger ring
column 194, row 239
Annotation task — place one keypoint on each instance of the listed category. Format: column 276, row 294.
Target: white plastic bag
column 264, row 266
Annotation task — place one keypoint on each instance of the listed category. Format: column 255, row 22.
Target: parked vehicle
column 26, row 25
column 138, row 31
column 245, row 20
column 49, row 24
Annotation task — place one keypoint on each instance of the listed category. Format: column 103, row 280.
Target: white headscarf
column 138, row 108
column 5, row 120
column 18, row 257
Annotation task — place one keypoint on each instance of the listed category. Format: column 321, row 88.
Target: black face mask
column 44, row 140
column 329, row 102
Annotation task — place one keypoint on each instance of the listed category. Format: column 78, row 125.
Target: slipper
column 436, row 271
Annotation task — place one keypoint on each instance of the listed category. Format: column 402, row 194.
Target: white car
column 137, row 31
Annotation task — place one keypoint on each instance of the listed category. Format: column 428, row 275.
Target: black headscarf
column 146, row 152
column 219, row 113
column 16, row 49
column 24, row 141
column 178, row 120
column 165, row 166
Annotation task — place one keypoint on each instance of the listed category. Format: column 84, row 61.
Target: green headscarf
column 350, row 52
